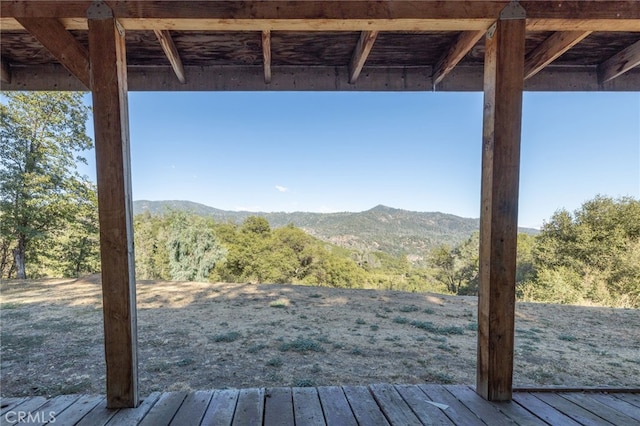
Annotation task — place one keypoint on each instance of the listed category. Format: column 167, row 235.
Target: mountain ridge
column 381, row 228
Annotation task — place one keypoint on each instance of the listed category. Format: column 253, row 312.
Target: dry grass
column 202, row 336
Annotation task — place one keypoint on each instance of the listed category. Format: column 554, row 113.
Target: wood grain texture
column 502, row 121
column 170, row 50
column 250, row 407
column 266, row 55
column 306, row 407
column 278, row 407
column 394, row 407
column 221, row 408
column 62, row 45
column 551, row 49
column 360, row 54
column 428, row 413
column 335, row 406
column 113, row 164
column 454, row 54
column 620, row 63
column 192, row 409
column 542, row 410
column 161, row 413
column 364, row 406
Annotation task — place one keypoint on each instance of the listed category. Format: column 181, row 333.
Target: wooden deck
column 343, row 406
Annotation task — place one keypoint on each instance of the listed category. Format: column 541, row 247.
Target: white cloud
column 282, row 188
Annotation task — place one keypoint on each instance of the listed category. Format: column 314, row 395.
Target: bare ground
column 203, row 336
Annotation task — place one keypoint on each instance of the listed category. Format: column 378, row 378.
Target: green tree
column 193, row 247
column 41, row 135
column 458, row 267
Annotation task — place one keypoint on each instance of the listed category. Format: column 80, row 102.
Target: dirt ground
column 204, row 336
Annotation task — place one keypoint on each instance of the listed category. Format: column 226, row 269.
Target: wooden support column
column 111, row 122
column 503, row 85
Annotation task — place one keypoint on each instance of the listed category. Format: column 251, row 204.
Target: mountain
column 382, row 228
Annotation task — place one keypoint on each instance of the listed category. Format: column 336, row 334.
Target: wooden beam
column 62, row 45
column 551, row 49
column 164, row 37
column 361, row 53
column 5, row 71
column 266, row 55
column 111, row 124
column 503, row 86
column 465, row 42
column 333, row 10
column 328, row 78
column 619, row 63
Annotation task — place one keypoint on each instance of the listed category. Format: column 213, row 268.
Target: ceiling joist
column 620, row 63
column 266, row 55
column 465, row 42
column 170, row 50
column 550, row 49
column 361, row 53
column 62, row 45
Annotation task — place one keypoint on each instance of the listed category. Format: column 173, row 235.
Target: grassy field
column 204, row 335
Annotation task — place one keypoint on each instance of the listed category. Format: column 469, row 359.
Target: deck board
column 278, row 407
column 379, row 404
column 335, row 406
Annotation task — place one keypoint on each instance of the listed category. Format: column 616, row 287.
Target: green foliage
column 47, row 210
column 590, row 256
column 458, row 267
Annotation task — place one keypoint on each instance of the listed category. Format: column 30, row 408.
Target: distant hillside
column 390, row 230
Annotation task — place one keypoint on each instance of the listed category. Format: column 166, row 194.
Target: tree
column 458, row 267
column 41, row 135
column 193, row 247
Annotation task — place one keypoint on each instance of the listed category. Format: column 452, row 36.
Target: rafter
column 5, row 71
column 266, row 55
column 62, row 45
column 619, row 63
column 360, row 54
column 550, row 49
column 170, row 50
column 465, row 42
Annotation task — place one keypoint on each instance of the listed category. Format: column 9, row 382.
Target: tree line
column 49, row 227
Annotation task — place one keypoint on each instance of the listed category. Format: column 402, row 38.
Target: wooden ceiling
column 321, row 45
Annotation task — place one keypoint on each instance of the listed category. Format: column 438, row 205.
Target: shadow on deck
column 381, row 404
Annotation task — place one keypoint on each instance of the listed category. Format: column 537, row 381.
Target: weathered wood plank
column 266, row 55
column 631, row 398
column 551, row 49
column 165, row 408
column 394, row 407
column 572, row 410
column 465, row 42
column 170, row 50
column 457, row 412
column 53, row 407
column 503, row 87
column 278, row 407
column 618, row 404
column 78, row 410
column 337, row 411
column 250, row 407
column 363, row 405
column 7, row 404
column 360, row 54
column 481, row 407
column 221, row 408
column 620, row 63
column 99, row 415
column 519, row 414
column 420, row 404
column 193, row 408
column 542, row 410
column 113, row 162
column 589, row 403
column 102, row 415
column 306, row 407
column 62, row 45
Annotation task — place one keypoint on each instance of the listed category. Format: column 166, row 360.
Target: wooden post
column 111, row 122
column 503, row 85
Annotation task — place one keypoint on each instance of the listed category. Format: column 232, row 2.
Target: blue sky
column 328, row 152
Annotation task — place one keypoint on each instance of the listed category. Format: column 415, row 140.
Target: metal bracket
column 513, row 11
column 99, row 10
column 492, row 30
